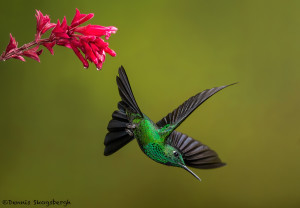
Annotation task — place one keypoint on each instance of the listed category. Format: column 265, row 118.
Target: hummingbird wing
column 126, row 93
column 183, row 111
column 194, row 153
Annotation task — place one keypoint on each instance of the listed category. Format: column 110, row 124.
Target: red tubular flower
column 86, row 40
column 49, row 46
column 43, row 24
column 19, row 57
column 61, row 30
column 81, row 39
column 80, row 18
column 96, row 30
column 33, row 53
column 11, row 47
column 79, row 55
column 12, row 44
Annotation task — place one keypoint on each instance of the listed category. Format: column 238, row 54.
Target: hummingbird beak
column 183, row 166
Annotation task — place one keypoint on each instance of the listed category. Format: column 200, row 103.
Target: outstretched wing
column 126, row 93
column 183, row 111
column 194, row 153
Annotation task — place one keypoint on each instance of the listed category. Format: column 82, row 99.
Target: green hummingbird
column 159, row 141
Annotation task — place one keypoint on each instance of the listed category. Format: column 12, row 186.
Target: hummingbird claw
column 131, row 126
column 129, row 132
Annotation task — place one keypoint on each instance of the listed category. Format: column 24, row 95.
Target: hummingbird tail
column 119, row 134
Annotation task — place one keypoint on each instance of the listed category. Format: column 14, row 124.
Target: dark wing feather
column 126, row 92
column 184, row 110
column 195, row 154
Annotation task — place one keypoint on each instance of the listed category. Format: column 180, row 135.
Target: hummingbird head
column 167, row 155
column 175, row 158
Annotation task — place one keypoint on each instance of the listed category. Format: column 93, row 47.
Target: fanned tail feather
column 117, row 137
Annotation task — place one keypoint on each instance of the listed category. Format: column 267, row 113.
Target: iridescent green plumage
column 151, row 140
column 159, row 141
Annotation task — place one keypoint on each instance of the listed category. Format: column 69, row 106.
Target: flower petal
column 41, row 19
column 101, row 58
column 110, row 51
column 89, row 52
column 96, row 30
column 80, row 18
column 111, row 30
column 19, row 57
column 33, row 53
column 64, row 42
column 94, row 47
column 100, row 43
column 47, row 27
column 12, row 44
column 79, row 55
column 43, row 24
column 59, row 30
column 50, row 46
column 64, row 24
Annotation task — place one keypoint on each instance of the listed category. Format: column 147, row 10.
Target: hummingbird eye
column 175, row 153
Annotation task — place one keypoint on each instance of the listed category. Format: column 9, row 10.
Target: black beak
column 183, row 166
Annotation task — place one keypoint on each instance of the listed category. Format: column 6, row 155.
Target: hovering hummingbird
column 159, row 141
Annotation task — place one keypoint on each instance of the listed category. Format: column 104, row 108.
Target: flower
column 85, row 41
column 33, row 53
column 11, row 47
column 43, row 24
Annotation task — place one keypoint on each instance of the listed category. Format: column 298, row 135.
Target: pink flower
column 33, row 53
column 12, row 44
column 96, row 30
column 43, row 24
column 80, row 18
column 11, row 47
column 85, row 41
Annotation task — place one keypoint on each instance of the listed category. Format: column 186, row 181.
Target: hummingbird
column 159, row 141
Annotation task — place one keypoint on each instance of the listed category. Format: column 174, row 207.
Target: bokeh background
column 54, row 113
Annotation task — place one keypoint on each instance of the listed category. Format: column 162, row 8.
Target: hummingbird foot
column 131, row 126
column 129, row 132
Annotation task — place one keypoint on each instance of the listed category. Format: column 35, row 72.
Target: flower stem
column 18, row 51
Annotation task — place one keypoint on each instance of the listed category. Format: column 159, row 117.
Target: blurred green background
column 54, row 113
